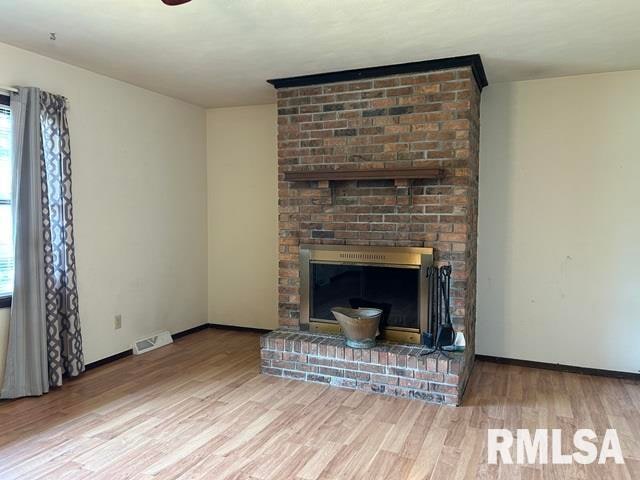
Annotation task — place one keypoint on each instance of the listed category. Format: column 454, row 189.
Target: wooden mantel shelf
column 389, row 173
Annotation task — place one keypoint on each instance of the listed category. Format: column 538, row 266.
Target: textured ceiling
column 220, row 52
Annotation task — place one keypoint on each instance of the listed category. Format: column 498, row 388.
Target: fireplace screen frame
column 396, row 257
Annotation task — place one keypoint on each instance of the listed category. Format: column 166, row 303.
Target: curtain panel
column 45, row 341
column 64, row 340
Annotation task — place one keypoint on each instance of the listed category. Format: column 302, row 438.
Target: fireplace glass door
column 394, row 290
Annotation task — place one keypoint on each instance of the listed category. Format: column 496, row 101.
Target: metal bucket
column 359, row 325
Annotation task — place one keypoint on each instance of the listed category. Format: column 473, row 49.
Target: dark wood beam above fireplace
column 392, row 173
column 473, row 61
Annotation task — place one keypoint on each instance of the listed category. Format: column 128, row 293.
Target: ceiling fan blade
column 174, row 2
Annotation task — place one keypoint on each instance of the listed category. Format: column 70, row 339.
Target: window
column 6, row 223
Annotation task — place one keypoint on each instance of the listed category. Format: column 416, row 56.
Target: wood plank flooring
column 199, row 409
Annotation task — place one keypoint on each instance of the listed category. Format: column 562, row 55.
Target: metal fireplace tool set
column 441, row 333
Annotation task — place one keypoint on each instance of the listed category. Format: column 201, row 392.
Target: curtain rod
column 8, row 89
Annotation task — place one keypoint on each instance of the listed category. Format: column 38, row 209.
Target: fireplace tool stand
column 439, row 309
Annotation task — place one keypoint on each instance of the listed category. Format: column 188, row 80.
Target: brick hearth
column 389, row 369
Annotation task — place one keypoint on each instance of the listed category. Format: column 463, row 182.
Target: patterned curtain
column 64, row 339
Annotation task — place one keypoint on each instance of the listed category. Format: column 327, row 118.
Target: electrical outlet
column 117, row 322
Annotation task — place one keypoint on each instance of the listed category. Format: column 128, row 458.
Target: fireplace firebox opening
column 390, row 278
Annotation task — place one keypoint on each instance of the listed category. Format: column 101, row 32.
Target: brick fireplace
column 422, row 118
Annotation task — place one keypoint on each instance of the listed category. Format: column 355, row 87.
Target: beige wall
column 139, row 184
column 242, row 211
column 559, row 268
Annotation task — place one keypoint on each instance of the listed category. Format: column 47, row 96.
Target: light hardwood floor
column 200, row 409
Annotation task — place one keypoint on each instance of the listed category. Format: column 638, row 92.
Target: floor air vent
column 151, row 343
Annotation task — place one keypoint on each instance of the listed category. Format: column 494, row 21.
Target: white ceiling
column 220, row 52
